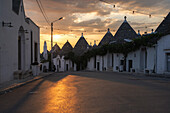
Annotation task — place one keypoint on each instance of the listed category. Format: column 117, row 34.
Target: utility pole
column 52, row 41
column 51, row 46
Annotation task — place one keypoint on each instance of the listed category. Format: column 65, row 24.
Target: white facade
column 91, row 65
column 117, row 62
column 44, row 67
column 99, row 63
column 62, row 65
column 163, row 51
column 45, row 53
column 154, row 59
column 133, row 57
column 141, row 60
column 23, row 36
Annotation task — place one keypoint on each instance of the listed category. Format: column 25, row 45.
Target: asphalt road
column 90, row 92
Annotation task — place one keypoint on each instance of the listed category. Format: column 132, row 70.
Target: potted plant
column 35, row 68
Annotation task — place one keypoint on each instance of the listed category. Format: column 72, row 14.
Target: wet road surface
column 90, row 92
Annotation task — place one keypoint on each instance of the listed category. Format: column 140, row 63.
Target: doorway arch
column 21, row 49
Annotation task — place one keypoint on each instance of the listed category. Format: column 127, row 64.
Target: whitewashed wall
column 64, row 63
column 117, row 58
column 135, row 57
column 9, row 40
column 69, row 63
column 46, row 64
column 105, row 62
column 75, row 67
column 90, row 64
column 100, row 59
column 163, row 47
column 150, row 58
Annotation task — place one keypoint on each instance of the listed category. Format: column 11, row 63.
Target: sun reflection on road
column 61, row 97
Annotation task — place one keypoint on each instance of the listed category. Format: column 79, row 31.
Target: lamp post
column 52, row 41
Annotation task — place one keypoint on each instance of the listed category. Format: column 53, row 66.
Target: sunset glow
column 92, row 16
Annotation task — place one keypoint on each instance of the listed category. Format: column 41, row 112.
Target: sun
column 56, row 37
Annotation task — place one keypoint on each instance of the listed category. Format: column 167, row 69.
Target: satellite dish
column 128, row 40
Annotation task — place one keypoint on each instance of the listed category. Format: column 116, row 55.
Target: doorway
column 66, row 67
column 19, row 53
column 21, row 49
column 168, row 62
column 130, row 65
column 98, row 66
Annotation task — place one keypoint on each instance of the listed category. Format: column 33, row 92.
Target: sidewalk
column 10, row 85
column 147, row 75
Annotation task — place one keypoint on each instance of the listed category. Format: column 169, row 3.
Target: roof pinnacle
column 108, row 30
column 125, row 19
column 82, row 35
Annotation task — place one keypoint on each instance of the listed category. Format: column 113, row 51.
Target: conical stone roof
column 56, row 49
column 66, row 49
column 108, row 37
column 164, row 27
column 81, row 46
column 125, row 31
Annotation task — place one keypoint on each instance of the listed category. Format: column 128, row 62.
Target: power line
column 44, row 10
column 53, row 42
column 133, row 11
column 43, row 13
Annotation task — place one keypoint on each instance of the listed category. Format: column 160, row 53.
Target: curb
column 146, row 75
column 9, row 89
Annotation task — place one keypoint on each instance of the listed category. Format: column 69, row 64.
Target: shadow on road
column 143, row 81
column 20, row 102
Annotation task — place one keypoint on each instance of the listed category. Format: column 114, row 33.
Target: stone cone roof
column 164, row 27
column 56, row 49
column 81, row 46
column 66, row 49
column 125, row 31
column 107, row 38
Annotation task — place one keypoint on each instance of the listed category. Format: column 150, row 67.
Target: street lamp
column 52, row 41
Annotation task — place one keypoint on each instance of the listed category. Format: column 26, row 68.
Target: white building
column 60, row 63
column 19, row 39
column 163, row 47
column 141, row 60
column 154, row 59
column 113, row 61
column 80, row 48
column 163, row 55
column 45, row 52
column 118, row 62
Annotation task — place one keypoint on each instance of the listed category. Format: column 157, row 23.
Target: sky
column 93, row 18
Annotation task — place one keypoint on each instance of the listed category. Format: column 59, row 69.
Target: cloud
column 90, row 16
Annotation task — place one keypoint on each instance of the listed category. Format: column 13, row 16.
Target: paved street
column 90, row 92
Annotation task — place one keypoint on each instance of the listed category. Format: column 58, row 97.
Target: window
column 72, row 64
column 36, row 52
column 95, row 62
column 121, row 62
column 31, row 47
column 16, row 6
column 135, row 55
